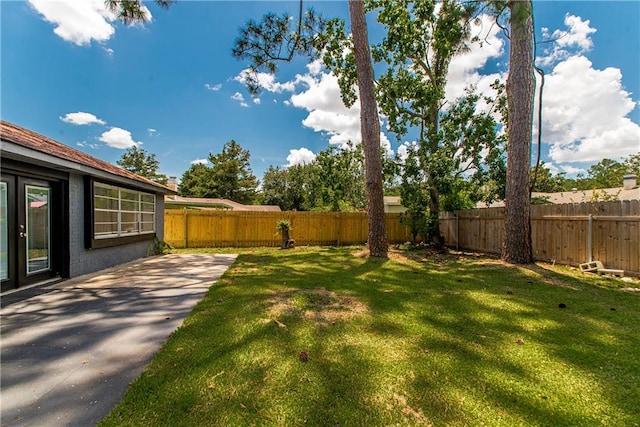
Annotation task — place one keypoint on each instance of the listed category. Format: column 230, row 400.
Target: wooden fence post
column 235, row 231
column 590, row 239
column 457, row 214
column 185, row 219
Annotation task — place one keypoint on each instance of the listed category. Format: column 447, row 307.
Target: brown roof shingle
column 230, row 204
column 35, row 141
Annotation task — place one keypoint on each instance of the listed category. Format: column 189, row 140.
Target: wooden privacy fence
column 567, row 234
column 217, row 228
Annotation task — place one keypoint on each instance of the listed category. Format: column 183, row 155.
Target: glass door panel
column 37, row 232
column 4, row 231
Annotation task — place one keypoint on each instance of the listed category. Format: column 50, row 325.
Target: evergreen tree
column 229, row 176
column 196, row 182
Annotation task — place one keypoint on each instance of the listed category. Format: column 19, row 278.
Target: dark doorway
column 29, row 210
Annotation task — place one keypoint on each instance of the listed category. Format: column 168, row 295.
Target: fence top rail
column 585, row 218
column 632, row 218
column 275, row 214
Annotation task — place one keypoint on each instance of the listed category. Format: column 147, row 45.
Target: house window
column 120, row 212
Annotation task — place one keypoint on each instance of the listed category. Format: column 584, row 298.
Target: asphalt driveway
column 70, row 350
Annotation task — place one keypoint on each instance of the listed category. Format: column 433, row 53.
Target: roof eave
column 13, row 151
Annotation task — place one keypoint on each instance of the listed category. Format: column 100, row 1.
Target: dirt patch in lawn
column 318, row 305
column 439, row 256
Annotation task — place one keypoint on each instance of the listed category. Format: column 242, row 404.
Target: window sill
column 119, row 241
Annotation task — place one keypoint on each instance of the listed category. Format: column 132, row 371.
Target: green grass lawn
column 450, row 340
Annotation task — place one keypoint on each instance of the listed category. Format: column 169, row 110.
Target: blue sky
column 72, row 72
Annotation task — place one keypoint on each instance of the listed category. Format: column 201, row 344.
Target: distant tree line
column 335, row 180
column 607, row 173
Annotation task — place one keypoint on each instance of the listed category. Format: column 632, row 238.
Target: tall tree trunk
column 435, row 237
column 370, row 129
column 516, row 246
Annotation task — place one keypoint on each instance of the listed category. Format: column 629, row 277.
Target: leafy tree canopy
column 547, row 182
column 609, row 173
column 334, row 181
column 287, row 187
column 453, row 142
column 137, row 160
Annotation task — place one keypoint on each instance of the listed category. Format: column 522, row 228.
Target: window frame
column 136, row 202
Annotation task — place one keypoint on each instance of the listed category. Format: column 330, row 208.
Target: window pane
column 105, row 190
column 148, row 207
column 148, row 198
column 122, row 212
column 147, row 227
column 105, row 216
column 129, row 206
column 38, row 235
column 147, row 217
column 106, row 203
column 129, row 227
column 129, row 222
column 106, row 228
column 128, row 195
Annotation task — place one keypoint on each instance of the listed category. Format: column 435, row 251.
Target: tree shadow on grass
column 438, row 344
column 520, row 350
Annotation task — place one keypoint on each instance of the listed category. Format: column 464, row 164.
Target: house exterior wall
column 160, row 216
column 82, row 260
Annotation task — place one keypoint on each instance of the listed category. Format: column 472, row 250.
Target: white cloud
column 213, row 88
column 79, row 22
column 87, row 145
column 256, row 101
column 151, row 131
column 118, row 138
column 80, row 118
column 404, row 149
column 108, row 50
column 266, row 81
column 463, row 69
column 570, row 170
column 199, row 161
column 575, row 38
column 578, row 34
column 315, row 67
column 238, row 97
column 300, row 156
column 584, row 113
column 327, row 113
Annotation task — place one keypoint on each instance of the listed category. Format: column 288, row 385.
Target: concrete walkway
column 70, row 350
